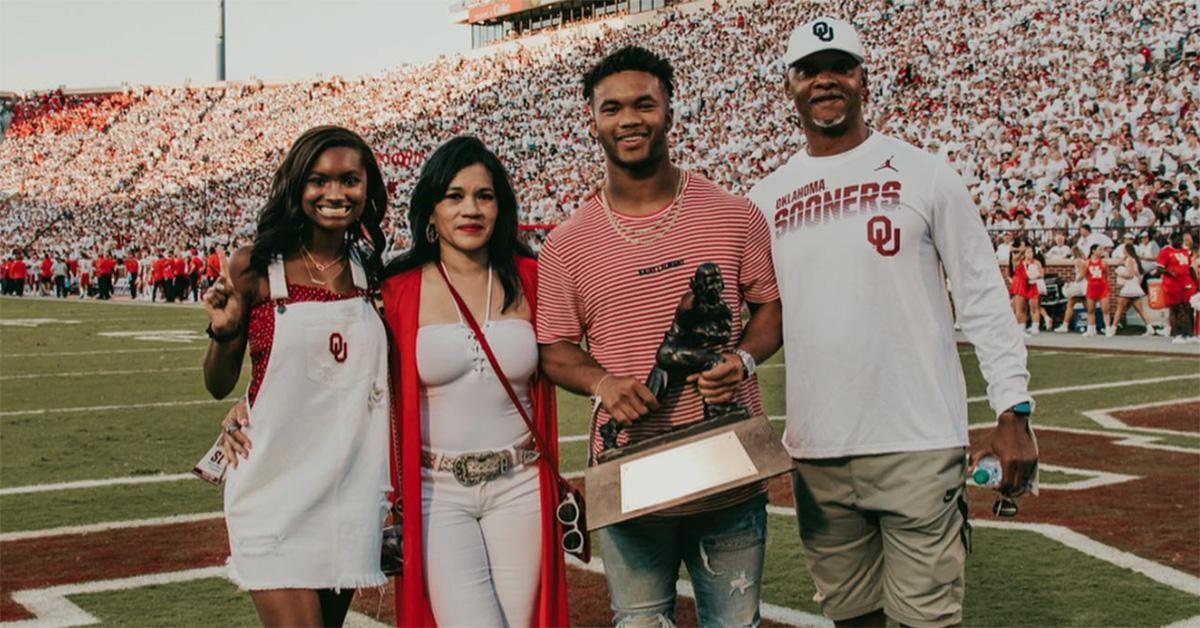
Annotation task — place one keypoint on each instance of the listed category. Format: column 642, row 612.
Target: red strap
column 467, row 316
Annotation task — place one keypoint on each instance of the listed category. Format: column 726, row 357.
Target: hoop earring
column 431, row 234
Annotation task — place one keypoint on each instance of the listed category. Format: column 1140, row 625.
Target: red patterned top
column 262, row 325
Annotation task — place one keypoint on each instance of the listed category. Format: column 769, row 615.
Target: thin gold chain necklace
column 321, row 267
column 654, row 231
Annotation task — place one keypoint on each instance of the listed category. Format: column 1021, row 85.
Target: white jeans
column 482, row 547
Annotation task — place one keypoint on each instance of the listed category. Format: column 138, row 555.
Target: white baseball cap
column 823, row 33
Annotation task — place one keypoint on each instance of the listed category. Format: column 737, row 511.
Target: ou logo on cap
column 823, row 31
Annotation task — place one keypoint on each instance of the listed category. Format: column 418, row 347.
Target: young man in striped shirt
column 614, row 274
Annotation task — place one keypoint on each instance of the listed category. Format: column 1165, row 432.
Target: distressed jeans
column 723, row 551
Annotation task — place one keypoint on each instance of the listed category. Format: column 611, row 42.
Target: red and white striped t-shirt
column 621, row 297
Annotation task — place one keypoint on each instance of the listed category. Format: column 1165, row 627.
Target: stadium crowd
column 1072, row 121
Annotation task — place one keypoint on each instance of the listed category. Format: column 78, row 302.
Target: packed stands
column 1056, row 113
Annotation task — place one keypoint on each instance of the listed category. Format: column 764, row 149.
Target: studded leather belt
column 473, row 468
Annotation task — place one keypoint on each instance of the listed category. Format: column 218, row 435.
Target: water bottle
column 987, row 472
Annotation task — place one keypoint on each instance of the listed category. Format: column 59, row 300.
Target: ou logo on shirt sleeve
column 881, row 233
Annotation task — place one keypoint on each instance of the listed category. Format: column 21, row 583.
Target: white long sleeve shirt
column 872, row 361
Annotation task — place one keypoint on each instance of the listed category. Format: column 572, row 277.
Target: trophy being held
column 702, row 327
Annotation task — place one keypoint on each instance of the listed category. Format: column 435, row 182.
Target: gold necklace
column 655, row 230
column 321, row 267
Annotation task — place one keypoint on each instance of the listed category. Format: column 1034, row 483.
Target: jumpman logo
column 887, row 163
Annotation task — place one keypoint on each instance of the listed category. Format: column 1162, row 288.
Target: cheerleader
column 1097, row 292
column 1130, row 275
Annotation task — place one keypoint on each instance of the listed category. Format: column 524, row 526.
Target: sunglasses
column 567, row 514
column 1005, row 507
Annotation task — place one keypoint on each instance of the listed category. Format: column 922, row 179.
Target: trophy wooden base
column 682, row 466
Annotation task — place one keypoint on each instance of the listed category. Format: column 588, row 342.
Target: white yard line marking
column 1118, row 438
column 43, row 354
column 94, row 373
column 1105, row 418
column 1100, row 386
column 51, row 607
column 1168, row 359
column 131, row 406
column 773, row 612
column 69, row 486
column 772, row 366
column 1159, row 573
column 158, row 335
column 1093, row 478
column 109, row 525
column 34, row 323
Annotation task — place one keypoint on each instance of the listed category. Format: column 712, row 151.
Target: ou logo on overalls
column 880, row 233
column 823, row 31
column 337, row 346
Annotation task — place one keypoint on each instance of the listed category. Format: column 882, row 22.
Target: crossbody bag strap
column 487, row 350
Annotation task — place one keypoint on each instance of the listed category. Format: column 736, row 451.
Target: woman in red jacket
column 477, row 492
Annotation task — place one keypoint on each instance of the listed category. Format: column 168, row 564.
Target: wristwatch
column 748, row 365
column 1023, row 408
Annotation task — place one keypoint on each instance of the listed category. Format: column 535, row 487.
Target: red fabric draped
column 402, row 299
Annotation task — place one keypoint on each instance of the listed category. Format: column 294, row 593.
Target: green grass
column 38, row 511
column 208, row 602
column 1014, row 578
column 1059, row 477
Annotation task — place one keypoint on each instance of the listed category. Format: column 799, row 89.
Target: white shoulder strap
column 356, row 271
column 278, row 279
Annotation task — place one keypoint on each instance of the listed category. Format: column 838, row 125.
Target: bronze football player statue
column 702, row 326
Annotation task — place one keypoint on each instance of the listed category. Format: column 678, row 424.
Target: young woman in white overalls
column 306, row 489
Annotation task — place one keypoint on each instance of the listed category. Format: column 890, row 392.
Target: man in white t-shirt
column 876, row 402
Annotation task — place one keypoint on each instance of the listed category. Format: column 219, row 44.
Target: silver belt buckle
column 471, row 469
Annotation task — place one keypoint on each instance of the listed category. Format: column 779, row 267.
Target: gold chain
column 654, row 231
column 321, row 267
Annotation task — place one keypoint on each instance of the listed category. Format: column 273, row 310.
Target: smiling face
column 828, row 90
column 466, row 215
column 335, row 189
column 631, row 117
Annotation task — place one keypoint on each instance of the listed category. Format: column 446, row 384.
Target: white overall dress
column 306, row 509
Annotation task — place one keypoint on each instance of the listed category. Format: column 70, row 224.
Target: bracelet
column 233, row 335
column 596, row 390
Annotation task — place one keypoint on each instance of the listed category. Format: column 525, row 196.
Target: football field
column 103, row 412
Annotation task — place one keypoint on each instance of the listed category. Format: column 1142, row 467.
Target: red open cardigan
column 401, row 300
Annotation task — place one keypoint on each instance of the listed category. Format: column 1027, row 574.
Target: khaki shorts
column 887, row 531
